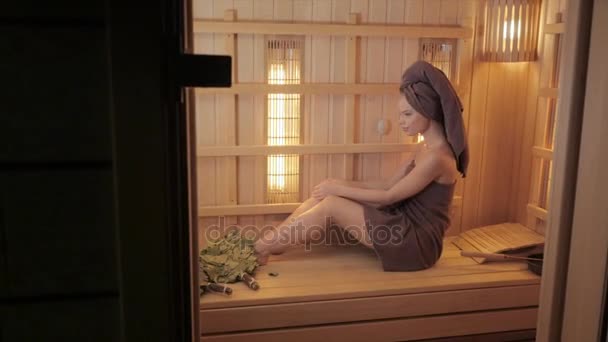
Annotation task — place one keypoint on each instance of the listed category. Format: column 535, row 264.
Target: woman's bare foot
column 267, row 246
column 262, row 257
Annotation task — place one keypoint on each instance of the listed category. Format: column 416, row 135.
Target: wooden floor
column 329, row 286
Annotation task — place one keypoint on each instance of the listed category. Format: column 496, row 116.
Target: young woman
column 403, row 218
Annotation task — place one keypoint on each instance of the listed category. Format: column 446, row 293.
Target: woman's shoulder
column 442, row 158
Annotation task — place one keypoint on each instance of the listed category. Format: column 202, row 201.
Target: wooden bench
column 341, row 293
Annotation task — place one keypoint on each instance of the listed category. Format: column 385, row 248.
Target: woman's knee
column 329, row 204
column 311, row 200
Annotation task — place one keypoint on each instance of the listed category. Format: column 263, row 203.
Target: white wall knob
column 382, row 126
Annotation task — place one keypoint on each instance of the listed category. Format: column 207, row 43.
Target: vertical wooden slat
column 536, row 28
column 539, row 167
column 205, row 128
column 262, row 10
column 361, row 7
column 518, row 29
column 302, row 12
column 350, row 105
column 395, row 13
column 340, row 10
column 492, row 31
column 372, row 104
column 431, row 12
column 245, row 114
column 501, row 31
column 467, row 11
column 226, row 185
column 319, row 110
column 527, row 21
column 508, row 56
column 448, row 14
column 283, row 10
column 476, row 122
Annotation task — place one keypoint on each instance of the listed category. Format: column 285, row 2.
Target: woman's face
column 410, row 121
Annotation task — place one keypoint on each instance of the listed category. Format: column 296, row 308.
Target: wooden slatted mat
column 508, row 238
column 351, row 272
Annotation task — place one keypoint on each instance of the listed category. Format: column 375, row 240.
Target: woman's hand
column 325, row 188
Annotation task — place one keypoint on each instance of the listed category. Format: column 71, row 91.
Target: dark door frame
column 153, row 148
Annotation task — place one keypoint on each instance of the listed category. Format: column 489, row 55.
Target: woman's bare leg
column 305, row 206
column 344, row 212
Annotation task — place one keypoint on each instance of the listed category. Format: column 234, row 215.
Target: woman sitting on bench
column 405, row 217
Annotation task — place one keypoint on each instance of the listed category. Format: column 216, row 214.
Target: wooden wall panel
column 380, row 60
column 495, row 123
column 303, row 12
column 393, row 68
column 319, row 113
column 533, row 181
column 518, row 176
column 371, row 106
column 205, row 126
column 246, row 166
column 262, row 10
column 225, row 122
column 360, row 7
column 340, row 13
column 412, row 15
column 431, row 11
column 463, row 77
column 448, row 13
column 505, row 107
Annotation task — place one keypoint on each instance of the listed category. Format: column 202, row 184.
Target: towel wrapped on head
column 428, row 90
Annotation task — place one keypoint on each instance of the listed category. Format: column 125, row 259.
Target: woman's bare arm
column 426, row 170
column 380, row 184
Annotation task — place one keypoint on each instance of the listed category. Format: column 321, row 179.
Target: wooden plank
column 339, row 13
column 395, row 14
column 448, row 12
column 526, row 158
column 353, row 271
column 475, row 123
column 350, row 101
column 538, row 212
column 303, row 12
column 496, row 148
column 311, row 88
column 518, row 140
column 263, row 150
column 371, row 105
column 263, row 10
column 431, row 12
column 226, row 124
column 319, row 88
column 362, row 309
column 557, row 28
column 398, row 329
column 261, row 209
column 542, row 152
column 413, row 15
column 317, row 29
column 248, row 209
column 319, row 114
column 246, row 165
column 241, row 295
column 466, row 16
column 283, row 11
